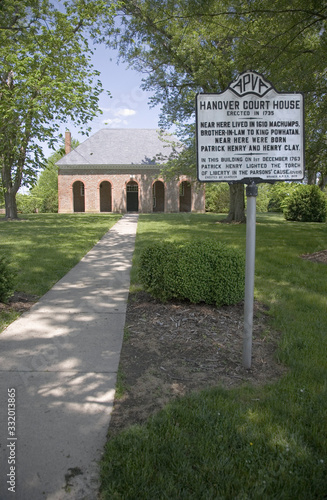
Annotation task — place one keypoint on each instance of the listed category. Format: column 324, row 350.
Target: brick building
column 118, row 170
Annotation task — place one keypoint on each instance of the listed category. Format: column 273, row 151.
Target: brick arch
column 158, row 192
column 132, row 195
column 78, row 192
column 185, row 196
column 105, row 195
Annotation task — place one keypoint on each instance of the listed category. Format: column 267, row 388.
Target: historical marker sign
column 250, row 132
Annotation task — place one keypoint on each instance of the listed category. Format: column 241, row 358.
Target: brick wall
column 92, row 179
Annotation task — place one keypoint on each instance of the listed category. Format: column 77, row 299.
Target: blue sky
column 128, row 105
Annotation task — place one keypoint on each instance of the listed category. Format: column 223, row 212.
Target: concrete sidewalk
column 61, row 358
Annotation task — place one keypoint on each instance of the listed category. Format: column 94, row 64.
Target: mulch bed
column 316, row 257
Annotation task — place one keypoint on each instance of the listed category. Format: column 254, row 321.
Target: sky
column 128, row 105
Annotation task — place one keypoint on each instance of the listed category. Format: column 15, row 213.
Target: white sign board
column 250, row 132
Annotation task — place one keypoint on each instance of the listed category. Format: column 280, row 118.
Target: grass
column 247, row 443
column 42, row 248
column 121, row 385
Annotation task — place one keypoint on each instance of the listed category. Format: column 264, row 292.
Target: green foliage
column 7, row 280
column 292, row 53
column 263, row 197
column 43, row 197
column 278, row 195
column 199, row 271
column 217, row 197
column 199, row 49
column 2, row 198
column 46, row 189
column 46, row 79
column 26, row 203
column 306, row 204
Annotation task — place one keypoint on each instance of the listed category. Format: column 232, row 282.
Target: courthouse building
column 118, row 170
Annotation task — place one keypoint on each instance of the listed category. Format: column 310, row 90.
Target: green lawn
column 42, row 248
column 248, row 443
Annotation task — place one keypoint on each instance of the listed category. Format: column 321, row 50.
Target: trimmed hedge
column 7, row 280
column 200, row 271
column 306, row 204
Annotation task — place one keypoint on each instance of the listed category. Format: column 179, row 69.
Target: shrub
column 263, row 197
column 200, row 271
column 26, row 203
column 306, row 204
column 279, row 194
column 217, row 197
column 7, row 280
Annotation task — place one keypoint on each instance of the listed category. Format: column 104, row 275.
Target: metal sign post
column 251, row 193
column 250, row 133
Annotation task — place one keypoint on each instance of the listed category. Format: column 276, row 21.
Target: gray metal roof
column 118, row 147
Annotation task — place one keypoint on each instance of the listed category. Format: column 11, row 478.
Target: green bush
column 200, row 271
column 279, row 193
column 7, row 280
column 217, row 197
column 26, row 203
column 263, row 197
column 306, row 204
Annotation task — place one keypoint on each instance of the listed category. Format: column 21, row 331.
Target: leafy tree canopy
column 46, row 78
column 46, row 188
column 200, row 46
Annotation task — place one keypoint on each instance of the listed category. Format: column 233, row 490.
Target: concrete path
column 60, row 359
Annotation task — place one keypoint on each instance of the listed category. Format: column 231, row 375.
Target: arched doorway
column 105, row 197
column 158, row 196
column 79, row 196
column 132, row 197
column 185, row 197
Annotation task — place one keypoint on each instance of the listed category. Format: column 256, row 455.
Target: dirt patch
column 20, row 302
column 172, row 349
column 316, row 257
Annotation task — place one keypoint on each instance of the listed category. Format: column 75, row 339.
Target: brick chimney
column 68, row 142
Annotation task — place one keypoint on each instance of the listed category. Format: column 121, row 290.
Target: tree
column 46, row 188
column 46, row 78
column 181, row 55
column 187, row 47
column 306, row 204
column 45, row 191
column 287, row 41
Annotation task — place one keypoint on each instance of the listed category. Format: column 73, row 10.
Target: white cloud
column 119, row 111
column 112, row 122
column 125, row 112
column 117, row 116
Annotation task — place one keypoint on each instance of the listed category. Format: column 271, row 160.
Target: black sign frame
column 251, row 106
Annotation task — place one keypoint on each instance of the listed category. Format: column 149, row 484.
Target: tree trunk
column 11, row 205
column 312, row 177
column 322, row 181
column 10, row 190
column 12, row 179
column 236, row 204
